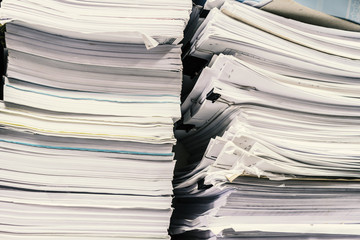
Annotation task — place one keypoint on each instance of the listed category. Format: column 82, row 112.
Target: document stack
column 91, row 94
column 272, row 128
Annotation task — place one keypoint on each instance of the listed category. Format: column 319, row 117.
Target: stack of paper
column 343, row 14
column 262, row 209
column 86, row 132
column 110, row 20
column 285, row 106
column 283, row 122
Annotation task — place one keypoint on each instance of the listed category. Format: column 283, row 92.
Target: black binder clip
column 212, row 96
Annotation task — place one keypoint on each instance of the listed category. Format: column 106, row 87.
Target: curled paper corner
column 232, row 177
column 149, row 41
